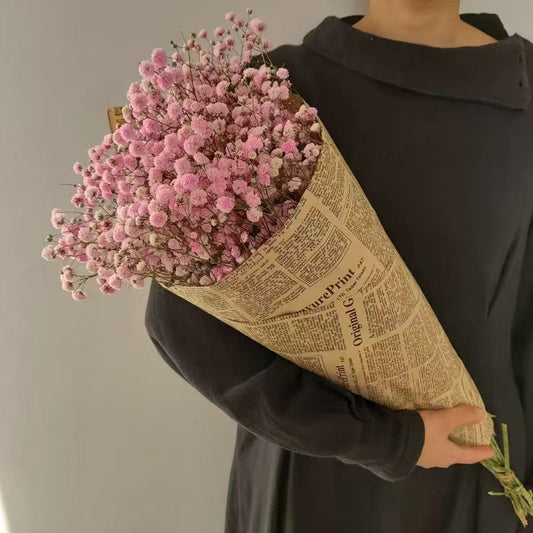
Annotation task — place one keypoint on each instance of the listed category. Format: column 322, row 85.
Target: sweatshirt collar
column 495, row 73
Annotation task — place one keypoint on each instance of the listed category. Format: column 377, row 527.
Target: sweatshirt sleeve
column 277, row 400
column 522, row 339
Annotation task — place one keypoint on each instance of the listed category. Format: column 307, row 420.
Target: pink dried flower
column 192, row 144
column 159, row 57
column 188, row 181
column 239, row 186
column 164, row 194
column 198, row 197
column 282, row 73
column 218, row 186
column 146, row 69
column 182, row 166
column 139, row 101
column 205, row 150
column 257, row 25
column 165, row 80
column 289, row 146
column 158, row 219
column 253, row 214
column 225, row 204
column 117, row 138
column 78, row 295
column 294, row 183
column 252, row 198
column 136, row 148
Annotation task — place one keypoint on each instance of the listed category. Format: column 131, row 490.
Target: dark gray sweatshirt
column 441, row 140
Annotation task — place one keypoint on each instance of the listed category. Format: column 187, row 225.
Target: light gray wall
column 97, row 434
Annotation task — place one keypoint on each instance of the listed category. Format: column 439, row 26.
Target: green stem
column 499, row 466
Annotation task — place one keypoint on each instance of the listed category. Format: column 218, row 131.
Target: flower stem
column 499, row 466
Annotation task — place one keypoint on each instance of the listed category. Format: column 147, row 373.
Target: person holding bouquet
column 431, row 111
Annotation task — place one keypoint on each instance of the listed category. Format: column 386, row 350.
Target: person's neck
column 429, row 22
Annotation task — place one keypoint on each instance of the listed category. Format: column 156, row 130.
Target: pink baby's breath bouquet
column 219, row 182
column 208, row 164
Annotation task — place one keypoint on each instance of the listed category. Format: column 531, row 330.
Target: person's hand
column 438, row 450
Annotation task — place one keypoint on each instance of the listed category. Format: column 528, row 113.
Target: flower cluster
column 208, row 164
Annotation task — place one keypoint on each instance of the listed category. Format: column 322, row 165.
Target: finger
column 464, row 415
column 470, row 454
